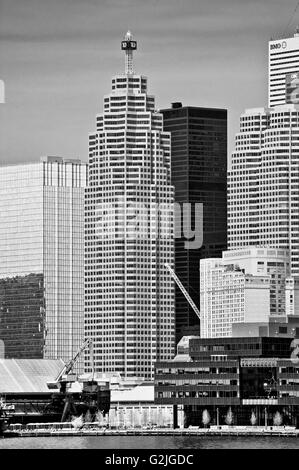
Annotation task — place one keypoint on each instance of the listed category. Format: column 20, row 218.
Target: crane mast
column 183, row 290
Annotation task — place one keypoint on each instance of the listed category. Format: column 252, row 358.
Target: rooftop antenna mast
column 128, row 45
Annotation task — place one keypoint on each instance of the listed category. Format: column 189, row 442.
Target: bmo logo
column 278, row 45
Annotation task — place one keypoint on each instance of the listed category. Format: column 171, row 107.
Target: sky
column 57, row 58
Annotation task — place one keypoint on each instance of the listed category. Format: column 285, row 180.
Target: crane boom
column 69, row 366
column 185, row 293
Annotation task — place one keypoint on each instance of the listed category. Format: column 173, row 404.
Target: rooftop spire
column 128, row 45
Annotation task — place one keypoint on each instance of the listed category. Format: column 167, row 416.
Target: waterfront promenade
column 211, row 431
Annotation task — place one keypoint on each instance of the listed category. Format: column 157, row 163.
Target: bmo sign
column 278, row 45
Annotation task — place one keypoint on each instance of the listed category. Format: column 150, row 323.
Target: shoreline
column 215, row 431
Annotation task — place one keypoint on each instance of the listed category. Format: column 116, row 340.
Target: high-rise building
column 198, row 173
column 129, row 304
column 283, row 60
column 244, row 286
column 263, row 183
column 228, row 296
column 42, row 258
column 273, row 263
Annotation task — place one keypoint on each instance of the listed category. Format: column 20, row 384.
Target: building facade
column 42, row 258
column 246, row 285
column 129, row 305
column 263, row 182
column 226, row 295
column 264, row 262
column 283, row 60
column 198, row 173
column 239, row 381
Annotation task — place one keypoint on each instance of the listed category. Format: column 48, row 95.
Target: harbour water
column 151, row 442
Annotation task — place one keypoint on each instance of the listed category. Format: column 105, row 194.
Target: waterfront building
column 121, row 403
column 263, row 187
column 129, row 294
column 199, row 174
column 233, row 381
column 42, row 258
column 245, row 285
column 283, row 61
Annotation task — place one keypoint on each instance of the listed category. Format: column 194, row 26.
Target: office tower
column 263, row 184
column 198, row 172
column 42, row 258
column 283, row 60
column 129, row 293
column 244, row 286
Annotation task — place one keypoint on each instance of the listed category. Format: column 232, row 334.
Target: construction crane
column 93, row 395
column 182, row 288
column 56, row 384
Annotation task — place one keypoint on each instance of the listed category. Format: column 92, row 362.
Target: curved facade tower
column 129, row 295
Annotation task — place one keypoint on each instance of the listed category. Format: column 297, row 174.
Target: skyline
column 58, row 58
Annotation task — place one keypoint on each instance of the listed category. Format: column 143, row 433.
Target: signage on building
column 128, row 45
column 278, row 45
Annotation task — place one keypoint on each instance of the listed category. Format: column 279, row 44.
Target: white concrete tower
column 263, row 183
column 129, row 295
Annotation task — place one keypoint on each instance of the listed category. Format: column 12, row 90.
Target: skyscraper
column 283, row 60
column 42, row 258
column 263, row 183
column 198, row 173
column 129, row 307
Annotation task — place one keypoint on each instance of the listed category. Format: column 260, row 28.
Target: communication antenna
column 291, row 19
column 128, row 45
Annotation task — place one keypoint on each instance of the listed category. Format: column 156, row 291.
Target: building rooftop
column 28, row 375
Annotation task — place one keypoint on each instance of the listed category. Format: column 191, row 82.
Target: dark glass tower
column 198, row 170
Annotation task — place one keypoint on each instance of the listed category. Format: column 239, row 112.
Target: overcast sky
column 57, row 58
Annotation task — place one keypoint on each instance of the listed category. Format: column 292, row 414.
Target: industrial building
column 24, row 389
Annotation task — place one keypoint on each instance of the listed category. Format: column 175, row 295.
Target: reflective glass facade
column 41, row 258
column 22, row 316
column 198, row 173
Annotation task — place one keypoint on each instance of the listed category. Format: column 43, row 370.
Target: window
column 283, row 329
